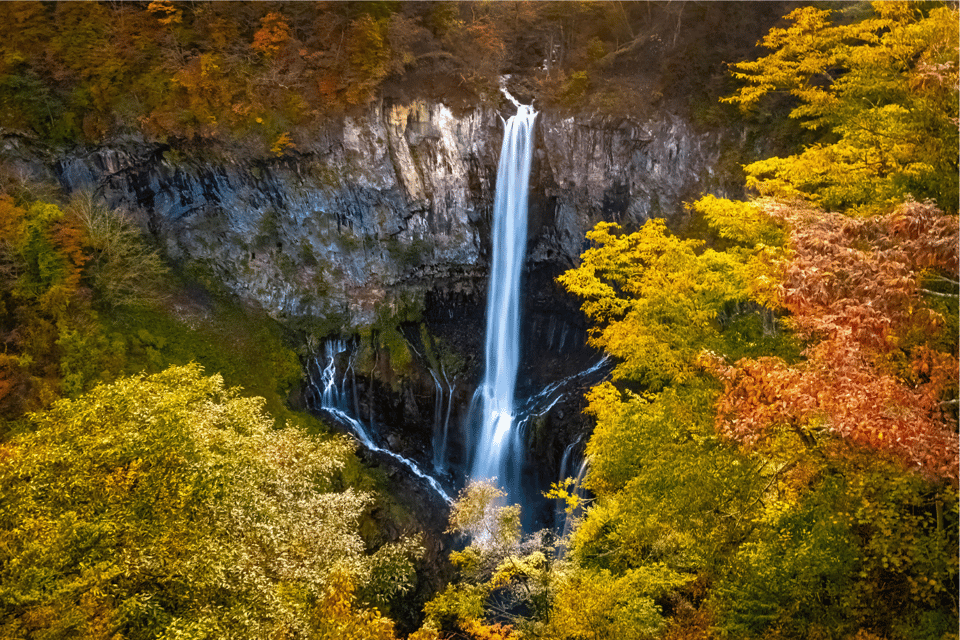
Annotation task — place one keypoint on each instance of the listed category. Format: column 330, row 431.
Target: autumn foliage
column 879, row 371
column 782, row 419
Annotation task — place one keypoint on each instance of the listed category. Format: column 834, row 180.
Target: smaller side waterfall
column 442, row 411
column 330, row 395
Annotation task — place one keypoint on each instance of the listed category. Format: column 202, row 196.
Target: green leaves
column 175, row 500
column 666, row 489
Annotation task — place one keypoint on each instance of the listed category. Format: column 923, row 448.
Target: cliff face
column 392, row 211
column 387, row 206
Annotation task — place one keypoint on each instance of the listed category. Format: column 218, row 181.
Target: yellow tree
column 884, row 91
column 169, row 506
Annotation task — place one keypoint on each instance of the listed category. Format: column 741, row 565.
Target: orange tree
column 782, row 424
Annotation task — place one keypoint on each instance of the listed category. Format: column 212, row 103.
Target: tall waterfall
column 498, row 452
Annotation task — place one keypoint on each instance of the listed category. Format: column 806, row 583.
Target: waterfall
column 441, row 417
column 498, row 452
column 330, row 396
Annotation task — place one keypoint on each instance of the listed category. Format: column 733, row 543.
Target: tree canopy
column 168, row 506
column 781, row 427
column 884, row 89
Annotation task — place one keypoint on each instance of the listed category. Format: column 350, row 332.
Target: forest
column 773, row 455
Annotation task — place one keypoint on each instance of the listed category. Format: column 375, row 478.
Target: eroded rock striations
column 391, row 204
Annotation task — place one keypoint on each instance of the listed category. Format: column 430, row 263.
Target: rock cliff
column 383, row 206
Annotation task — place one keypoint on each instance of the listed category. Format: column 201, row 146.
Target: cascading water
column 331, row 397
column 498, row 451
column 441, row 417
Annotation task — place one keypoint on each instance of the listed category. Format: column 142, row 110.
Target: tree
column 823, row 458
column 884, row 91
column 881, row 367
column 168, row 506
column 122, row 268
column 751, row 482
column 273, row 34
column 658, row 300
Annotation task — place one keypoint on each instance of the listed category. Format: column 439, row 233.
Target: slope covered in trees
column 168, row 506
column 782, row 426
column 268, row 72
column 142, row 499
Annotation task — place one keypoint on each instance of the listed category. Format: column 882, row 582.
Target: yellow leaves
column 282, row 144
column 657, row 298
column 744, row 222
column 513, row 568
column 480, row 513
column 884, row 86
column 602, row 606
column 425, row 633
column 565, row 491
column 336, row 616
column 192, row 487
column 167, row 12
column 467, row 560
column 477, row 630
column 604, row 401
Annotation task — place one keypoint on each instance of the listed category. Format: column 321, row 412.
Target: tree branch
column 941, row 295
column 946, row 279
column 630, row 47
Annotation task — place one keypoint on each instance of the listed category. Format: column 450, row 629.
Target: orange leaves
column 864, row 273
column 879, row 371
column 69, row 238
column 274, row 33
column 282, row 144
column 837, row 392
column 166, row 11
column 11, row 219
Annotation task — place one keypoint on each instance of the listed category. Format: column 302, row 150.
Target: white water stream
column 498, row 453
column 333, row 399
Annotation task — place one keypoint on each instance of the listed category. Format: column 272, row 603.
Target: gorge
column 381, row 227
column 465, row 320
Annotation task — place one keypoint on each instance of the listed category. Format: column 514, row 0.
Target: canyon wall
column 383, row 206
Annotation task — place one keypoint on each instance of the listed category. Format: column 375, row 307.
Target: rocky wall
column 375, row 209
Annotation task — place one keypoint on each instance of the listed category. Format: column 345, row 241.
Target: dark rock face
column 393, row 209
column 398, row 201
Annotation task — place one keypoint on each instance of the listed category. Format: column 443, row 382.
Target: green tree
column 168, row 506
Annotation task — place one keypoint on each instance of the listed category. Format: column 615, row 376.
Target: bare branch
column 941, row 295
